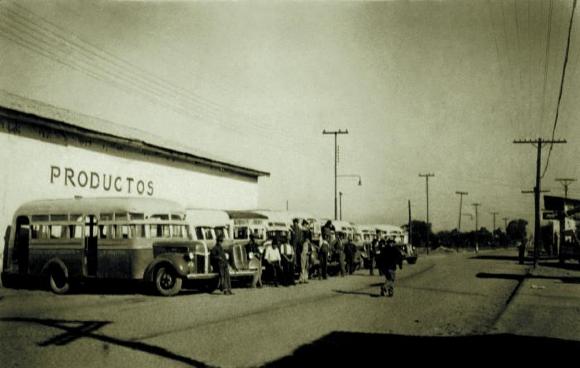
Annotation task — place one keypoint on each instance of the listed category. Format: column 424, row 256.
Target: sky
column 440, row 87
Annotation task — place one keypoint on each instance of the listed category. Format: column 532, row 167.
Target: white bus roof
column 207, row 217
column 342, row 225
column 101, row 205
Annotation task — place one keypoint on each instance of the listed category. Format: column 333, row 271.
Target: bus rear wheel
column 58, row 281
column 167, row 283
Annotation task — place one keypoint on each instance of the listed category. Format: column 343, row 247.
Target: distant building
column 48, row 152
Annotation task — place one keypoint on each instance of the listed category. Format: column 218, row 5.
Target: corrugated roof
column 106, row 128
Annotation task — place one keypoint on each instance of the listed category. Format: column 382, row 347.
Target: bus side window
column 103, row 231
column 155, row 231
column 40, row 231
column 75, row 231
column 124, row 231
column 199, row 233
column 56, row 232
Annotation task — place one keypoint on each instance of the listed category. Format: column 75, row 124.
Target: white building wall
column 33, row 169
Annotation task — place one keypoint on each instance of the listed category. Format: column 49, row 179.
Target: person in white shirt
column 287, row 252
column 273, row 257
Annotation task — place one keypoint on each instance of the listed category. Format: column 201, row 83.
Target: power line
column 131, row 74
column 564, row 66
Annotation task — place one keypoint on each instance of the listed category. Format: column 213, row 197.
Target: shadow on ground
column 520, row 278
column 365, row 349
column 564, row 266
column 100, row 287
column 69, row 331
column 495, row 257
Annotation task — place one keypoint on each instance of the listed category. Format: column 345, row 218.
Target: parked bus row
column 68, row 241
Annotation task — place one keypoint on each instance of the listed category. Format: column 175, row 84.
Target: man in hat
column 220, row 264
column 255, row 257
column 388, row 260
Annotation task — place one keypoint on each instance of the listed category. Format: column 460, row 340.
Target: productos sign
column 94, row 180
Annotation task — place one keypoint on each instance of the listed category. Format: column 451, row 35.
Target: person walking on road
column 388, row 260
column 220, row 264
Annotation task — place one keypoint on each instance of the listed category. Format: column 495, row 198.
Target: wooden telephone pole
column 537, row 189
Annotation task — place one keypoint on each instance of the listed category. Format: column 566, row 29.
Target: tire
column 58, row 281
column 167, row 282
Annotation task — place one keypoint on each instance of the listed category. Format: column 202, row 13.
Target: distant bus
column 68, row 240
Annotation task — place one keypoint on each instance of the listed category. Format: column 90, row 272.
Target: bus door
column 91, row 242
column 21, row 244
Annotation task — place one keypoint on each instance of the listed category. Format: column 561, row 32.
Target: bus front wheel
column 58, row 281
column 167, row 282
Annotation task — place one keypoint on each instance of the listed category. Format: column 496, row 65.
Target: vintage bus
column 70, row 240
column 246, row 223
column 207, row 224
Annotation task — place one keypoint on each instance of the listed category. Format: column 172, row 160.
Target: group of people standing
column 285, row 258
column 297, row 259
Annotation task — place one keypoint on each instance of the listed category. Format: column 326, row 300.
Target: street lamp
column 340, row 193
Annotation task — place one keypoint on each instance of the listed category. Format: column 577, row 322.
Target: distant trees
column 419, row 232
column 516, row 231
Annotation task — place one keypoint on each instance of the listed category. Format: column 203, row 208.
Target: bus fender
column 169, row 261
column 54, row 262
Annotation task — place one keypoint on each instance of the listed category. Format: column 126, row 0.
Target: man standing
column 273, row 257
column 220, row 264
column 372, row 249
column 255, row 257
column 287, row 253
column 323, row 256
column 349, row 252
column 304, row 249
column 296, row 239
column 389, row 258
column 339, row 249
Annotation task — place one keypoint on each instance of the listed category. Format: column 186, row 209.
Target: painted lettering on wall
column 93, row 180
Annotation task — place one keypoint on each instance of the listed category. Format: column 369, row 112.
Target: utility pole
column 461, row 194
column 410, row 223
column 566, row 183
column 335, row 133
column 505, row 219
column 340, row 204
column 427, row 176
column 537, row 189
column 286, row 205
column 493, row 229
column 537, row 236
column 494, row 213
column 476, row 205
